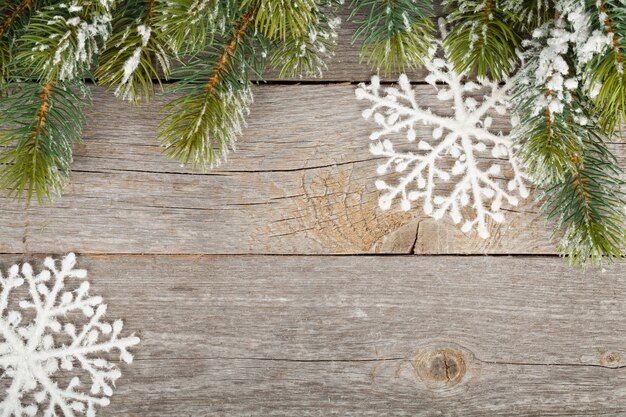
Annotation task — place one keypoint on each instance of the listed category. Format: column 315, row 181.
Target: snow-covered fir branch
column 72, row 39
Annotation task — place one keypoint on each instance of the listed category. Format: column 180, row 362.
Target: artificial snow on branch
column 395, row 35
column 561, row 103
column 137, row 56
column 60, row 41
column 480, row 38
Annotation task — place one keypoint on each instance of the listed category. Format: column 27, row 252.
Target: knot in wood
column 444, row 365
column 610, row 359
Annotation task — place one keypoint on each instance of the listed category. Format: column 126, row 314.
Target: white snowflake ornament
column 466, row 137
column 41, row 347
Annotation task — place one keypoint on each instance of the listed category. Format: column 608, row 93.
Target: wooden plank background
column 261, row 289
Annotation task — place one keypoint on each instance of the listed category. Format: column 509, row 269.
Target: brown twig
column 44, row 107
column 549, row 121
column 548, row 124
column 15, row 13
column 489, row 4
column 240, row 31
column 151, row 4
column 580, row 183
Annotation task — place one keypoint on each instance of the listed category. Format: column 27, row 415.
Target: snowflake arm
column 465, row 137
column 30, row 353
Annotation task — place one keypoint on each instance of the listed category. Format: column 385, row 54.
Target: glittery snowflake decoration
column 477, row 194
column 46, row 357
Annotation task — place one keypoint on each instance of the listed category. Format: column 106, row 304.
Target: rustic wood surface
column 364, row 335
column 225, row 276
column 302, row 182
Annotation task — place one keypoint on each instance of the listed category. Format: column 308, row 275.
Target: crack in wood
column 555, row 364
column 447, row 367
column 224, row 173
column 417, row 233
column 374, row 360
column 25, row 233
column 298, row 255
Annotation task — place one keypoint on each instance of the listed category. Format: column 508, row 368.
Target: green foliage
column 275, row 19
column 305, row 54
column 201, row 128
column 396, row 34
column 13, row 15
column 547, row 139
column 5, row 59
column 589, row 206
column 482, row 39
column 579, row 176
column 527, row 15
column 202, row 125
column 607, row 71
column 40, row 122
column 42, row 114
column 188, row 25
column 127, row 61
column 562, row 144
column 611, row 95
column 60, row 41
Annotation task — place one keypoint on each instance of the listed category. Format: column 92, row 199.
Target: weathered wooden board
column 252, row 387
column 301, row 182
column 241, row 334
column 365, row 335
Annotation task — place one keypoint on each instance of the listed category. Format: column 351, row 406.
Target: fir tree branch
column 589, row 206
column 56, row 47
column 547, row 139
column 35, row 150
column 126, row 63
column 151, row 7
column 40, row 119
column 562, row 145
column 60, row 41
column 481, row 38
column 227, row 55
column 608, row 23
column 304, row 55
column 397, row 34
column 13, row 14
column 188, row 25
column 275, row 19
column 527, row 15
column 607, row 72
column 202, row 125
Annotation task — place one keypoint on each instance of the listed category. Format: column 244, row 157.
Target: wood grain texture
column 301, row 182
column 364, row 335
column 244, row 334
